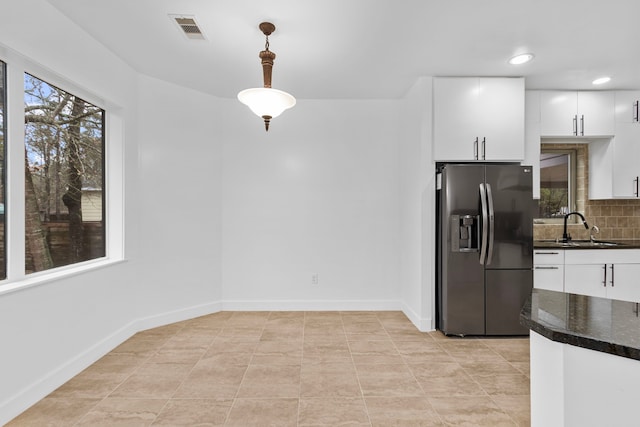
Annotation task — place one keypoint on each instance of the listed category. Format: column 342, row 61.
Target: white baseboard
column 177, row 315
column 424, row 324
column 311, row 305
column 34, row 392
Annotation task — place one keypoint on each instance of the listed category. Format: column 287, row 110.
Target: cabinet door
column 558, row 109
column 455, row 116
column 501, row 118
column 626, row 106
column 596, row 113
column 585, row 279
column 626, row 157
column 623, row 282
column 532, row 154
column 601, row 169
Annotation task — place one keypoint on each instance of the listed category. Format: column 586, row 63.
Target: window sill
column 40, row 278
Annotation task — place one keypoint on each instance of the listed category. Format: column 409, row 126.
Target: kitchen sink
column 595, row 243
column 582, row 243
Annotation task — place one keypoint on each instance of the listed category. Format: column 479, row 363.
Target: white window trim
column 16, row 279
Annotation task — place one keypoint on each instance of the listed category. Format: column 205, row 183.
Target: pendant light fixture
column 266, row 102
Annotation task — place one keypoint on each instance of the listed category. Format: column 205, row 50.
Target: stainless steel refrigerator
column 484, row 248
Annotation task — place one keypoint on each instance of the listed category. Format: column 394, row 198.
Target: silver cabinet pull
column 575, row 125
column 539, row 267
column 635, row 111
column 582, row 125
column 604, row 282
column 612, row 279
column 484, row 148
column 636, row 182
column 547, row 253
column 475, row 149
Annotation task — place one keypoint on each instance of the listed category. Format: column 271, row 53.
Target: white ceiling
column 363, row 49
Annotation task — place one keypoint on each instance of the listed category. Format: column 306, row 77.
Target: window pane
column 3, row 258
column 554, row 185
column 64, row 177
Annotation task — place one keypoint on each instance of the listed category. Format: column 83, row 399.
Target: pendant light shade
column 266, row 102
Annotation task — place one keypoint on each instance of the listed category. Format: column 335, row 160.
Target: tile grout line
column 355, row 368
column 426, row 397
column 186, row 376
column 234, row 399
column 126, row 378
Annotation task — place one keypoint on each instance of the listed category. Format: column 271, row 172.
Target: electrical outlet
column 314, row 279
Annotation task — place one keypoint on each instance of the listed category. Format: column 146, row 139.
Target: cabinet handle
column 582, row 125
column 635, row 111
column 475, row 149
column 637, row 181
column 575, row 125
column 546, row 268
column 547, row 253
column 604, row 282
column 612, row 279
column 484, row 148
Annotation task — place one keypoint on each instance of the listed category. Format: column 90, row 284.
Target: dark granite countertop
column 599, row 324
column 619, row 244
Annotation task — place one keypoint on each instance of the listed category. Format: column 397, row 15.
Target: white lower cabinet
column 625, row 282
column 585, row 279
column 607, row 273
column 548, row 269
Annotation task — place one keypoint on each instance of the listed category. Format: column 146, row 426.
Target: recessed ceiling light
column 601, row 80
column 521, row 59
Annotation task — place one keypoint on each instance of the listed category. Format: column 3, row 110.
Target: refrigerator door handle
column 491, row 224
column 485, row 223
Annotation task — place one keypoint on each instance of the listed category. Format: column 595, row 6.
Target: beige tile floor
column 296, row 369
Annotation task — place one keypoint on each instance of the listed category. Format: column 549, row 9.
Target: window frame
column 572, row 183
column 113, row 208
column 102, row 160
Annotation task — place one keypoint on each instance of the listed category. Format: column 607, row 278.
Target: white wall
column 48, row 331
column 318, row 193
column 179, row 196
column 219, row 213
column 417, row 197
column 51, row 331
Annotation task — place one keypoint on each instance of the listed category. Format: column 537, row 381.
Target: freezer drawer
column 506, row 292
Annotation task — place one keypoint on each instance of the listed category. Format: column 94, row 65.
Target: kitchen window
column 557, row 184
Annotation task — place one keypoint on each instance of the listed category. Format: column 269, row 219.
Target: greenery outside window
column 64, row 177
column 557, row 184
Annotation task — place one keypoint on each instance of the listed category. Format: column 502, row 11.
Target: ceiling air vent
column 189, row 26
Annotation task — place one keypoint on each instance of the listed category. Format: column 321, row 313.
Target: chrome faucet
column 594, row 230
column 566, row 237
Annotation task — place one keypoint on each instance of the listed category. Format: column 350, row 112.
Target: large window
column 64, row 177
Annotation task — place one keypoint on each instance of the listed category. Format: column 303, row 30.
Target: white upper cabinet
column 532, row 137
column 570, row 113
column 626, row 145
column 478, row 119
column 626, row 160
column 627, row 103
